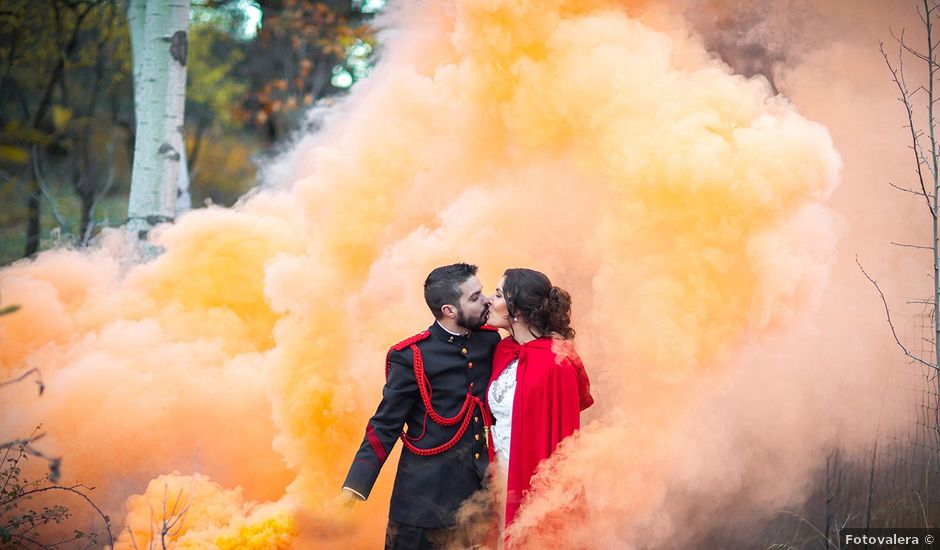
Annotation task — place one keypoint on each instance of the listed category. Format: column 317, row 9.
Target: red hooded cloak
column 552, row 389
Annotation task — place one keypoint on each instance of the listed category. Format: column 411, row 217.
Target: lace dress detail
column 501, row 395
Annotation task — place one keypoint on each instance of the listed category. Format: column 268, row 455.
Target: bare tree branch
column 890, row 323
column 897, row 75
column 133, row 539
column 23, row 376
column 912, row 246
column 912, row 51
column 55, row 462
column 74, row 489
column 906, row 190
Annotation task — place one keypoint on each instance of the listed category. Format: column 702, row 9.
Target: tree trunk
column 158, row 43
column 33, row 202
column 32, row 217
column 88, row 202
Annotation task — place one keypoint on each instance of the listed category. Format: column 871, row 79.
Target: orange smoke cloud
column 193, row 512
column 683, row 206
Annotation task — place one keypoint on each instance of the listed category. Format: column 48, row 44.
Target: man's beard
column 472, row 323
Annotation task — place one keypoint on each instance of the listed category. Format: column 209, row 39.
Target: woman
column 538, row 387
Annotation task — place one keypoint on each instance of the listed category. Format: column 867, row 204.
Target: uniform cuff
column 361, row 478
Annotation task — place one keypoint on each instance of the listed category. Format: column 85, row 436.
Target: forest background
column 67, row 109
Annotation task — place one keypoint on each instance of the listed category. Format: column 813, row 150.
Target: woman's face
column 499, row 311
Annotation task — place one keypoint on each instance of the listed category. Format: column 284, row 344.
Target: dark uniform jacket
column 429, row 489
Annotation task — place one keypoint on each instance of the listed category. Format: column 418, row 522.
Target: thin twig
column 45, row 191
column 804, row 520
column 888, row 315
column 920, row 501
column 911, row 50
column 32, row 437
column 23, row 376
column 922, row 247
column 74, row 489
column 100, row 195
column 905, row 189
column 24, row 445
column 898, row 77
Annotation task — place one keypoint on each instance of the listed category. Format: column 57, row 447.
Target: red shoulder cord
column 402, row 345
column 471, row 403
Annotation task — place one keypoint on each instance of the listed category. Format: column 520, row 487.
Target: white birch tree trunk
column 159, row 43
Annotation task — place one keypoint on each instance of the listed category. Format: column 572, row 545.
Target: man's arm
column 384, row 428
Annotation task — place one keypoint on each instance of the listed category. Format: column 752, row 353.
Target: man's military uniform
column 446, row 451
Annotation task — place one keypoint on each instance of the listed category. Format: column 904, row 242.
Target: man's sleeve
column 384, row 428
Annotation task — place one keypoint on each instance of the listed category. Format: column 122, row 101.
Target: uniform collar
column 442, row 333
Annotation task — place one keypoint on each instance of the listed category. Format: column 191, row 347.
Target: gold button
column 463, row 351
column 470, row 365
column 476, row 456
column 477, row 437
column 476, row 418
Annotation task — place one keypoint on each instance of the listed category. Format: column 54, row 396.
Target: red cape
column 552, row 389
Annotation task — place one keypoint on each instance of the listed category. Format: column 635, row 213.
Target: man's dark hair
column 442, row 286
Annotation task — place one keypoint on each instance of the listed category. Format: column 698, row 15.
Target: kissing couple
column 468, row 403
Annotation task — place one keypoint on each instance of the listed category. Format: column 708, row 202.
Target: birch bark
column 159, row 43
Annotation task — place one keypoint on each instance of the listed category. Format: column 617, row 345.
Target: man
column 435, row 383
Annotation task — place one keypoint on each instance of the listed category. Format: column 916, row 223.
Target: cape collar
column 514, row 348
column 509, row 349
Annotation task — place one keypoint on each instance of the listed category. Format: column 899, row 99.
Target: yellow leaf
column 61, row 116
column 14, row 154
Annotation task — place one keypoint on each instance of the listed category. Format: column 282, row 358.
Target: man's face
column 473, row 305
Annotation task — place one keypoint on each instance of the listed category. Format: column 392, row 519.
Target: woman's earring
column 515, row 318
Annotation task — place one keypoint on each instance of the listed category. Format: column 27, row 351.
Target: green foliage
column 22, row 524
column 16, row 131
column 212, row 92
column 14, row 154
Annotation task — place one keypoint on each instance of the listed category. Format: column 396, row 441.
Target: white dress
column 500, row 397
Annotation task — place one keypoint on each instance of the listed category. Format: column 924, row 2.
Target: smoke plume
column 688, row 209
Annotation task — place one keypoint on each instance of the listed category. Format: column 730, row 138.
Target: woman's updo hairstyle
column 547, row 308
